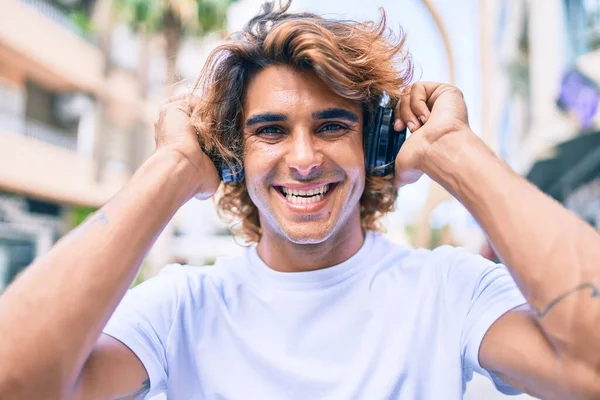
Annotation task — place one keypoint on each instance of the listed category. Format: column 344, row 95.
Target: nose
column 303, row 155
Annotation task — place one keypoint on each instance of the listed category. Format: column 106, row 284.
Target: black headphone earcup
column 382, row 143
column 227, row 174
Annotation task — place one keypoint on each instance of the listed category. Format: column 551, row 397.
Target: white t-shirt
column 391, row 322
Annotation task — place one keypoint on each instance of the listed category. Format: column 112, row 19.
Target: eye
column 333, row 129
column 269, row 131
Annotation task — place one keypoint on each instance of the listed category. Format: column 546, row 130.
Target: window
column 15, row 255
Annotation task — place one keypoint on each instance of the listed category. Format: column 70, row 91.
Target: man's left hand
column 435, row 114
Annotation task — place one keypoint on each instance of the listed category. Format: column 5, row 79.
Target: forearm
column 553, row 255
column 52, row 315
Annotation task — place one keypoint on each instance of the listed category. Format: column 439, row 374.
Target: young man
column 322, row 307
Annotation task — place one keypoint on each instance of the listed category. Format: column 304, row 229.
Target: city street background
column 81, row 82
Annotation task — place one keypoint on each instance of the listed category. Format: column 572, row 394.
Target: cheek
column 358, row 156
column 258, row 165
column 350, row 156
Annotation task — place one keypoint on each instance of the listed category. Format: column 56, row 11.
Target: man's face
column 303, row 156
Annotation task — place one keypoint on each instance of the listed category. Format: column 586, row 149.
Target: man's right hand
column 173, row 132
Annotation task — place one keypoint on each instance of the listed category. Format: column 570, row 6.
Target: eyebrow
column 265, row 117
column 330, row 113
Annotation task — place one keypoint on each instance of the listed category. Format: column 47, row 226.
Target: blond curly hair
column 359, row 61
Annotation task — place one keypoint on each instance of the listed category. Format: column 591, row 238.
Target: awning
column 575, row 163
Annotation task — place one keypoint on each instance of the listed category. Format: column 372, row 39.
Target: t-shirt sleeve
column 489, row 292
column 142, row 322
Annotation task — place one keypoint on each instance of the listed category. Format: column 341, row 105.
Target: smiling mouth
column 299, row 196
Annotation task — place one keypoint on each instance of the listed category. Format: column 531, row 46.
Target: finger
column 192, row 100
column 173, row 114
column 418, row 103
column 434, row 90
column 406, row 113
column 182, row 105
column 398, row 123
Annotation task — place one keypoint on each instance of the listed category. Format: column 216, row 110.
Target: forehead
column 280, row 88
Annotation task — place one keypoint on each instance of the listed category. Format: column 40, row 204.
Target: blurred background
column 81, row 82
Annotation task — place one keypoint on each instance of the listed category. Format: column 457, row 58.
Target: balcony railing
column 59, row 16
column 12, row 99
column 17, row 124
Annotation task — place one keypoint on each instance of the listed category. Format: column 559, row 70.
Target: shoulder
column 406, row 257
column 386, row 247
column 445, row 265
column 193, row 281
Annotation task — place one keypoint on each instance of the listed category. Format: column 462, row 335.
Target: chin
column 307, row 235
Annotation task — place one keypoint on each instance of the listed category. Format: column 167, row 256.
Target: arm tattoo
column 595, row 293
column 140, row 393
column 95, row 218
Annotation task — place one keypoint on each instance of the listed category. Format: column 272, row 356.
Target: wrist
column 174, row 171
column 452, row 159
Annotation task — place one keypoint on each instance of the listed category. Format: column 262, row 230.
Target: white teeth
column 299, row 192
column 299, row 196
column 304, row 200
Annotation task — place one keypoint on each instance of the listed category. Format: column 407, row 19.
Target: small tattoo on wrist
column 95, row 218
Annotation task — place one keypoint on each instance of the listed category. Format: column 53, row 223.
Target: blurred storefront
column 540, row 66
column 28, row 227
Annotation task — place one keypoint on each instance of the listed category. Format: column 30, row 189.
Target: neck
column 280, row 254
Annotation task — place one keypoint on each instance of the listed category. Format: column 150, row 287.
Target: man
column 322, row 307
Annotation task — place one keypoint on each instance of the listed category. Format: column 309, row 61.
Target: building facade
column 68, row 124
column 540, row 63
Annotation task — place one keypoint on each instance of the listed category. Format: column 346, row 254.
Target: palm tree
column 173, row 18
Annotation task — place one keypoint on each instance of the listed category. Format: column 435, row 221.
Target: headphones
column 381, row 145
column 382, row 142
column 225, row 172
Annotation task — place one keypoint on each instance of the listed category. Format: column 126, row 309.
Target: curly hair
column 359, row 61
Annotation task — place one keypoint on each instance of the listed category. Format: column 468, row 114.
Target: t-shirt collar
column 310, row 279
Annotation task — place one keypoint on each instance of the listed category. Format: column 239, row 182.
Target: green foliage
column 196, row 17
column 518, row 72
column 82, row 21
column 140, row 14
column 594, row 29
column 210, row 261
column 140, row 277
column 211, row 15
column 410, row 231
column 436, row 238
column 80, row 214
